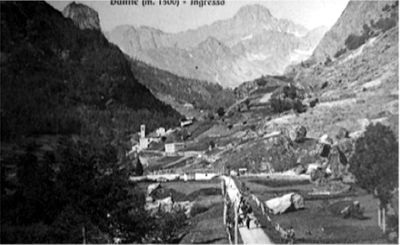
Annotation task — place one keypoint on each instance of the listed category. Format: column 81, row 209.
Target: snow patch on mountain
column 299, row 55
column 256, row 57
column 247, row 37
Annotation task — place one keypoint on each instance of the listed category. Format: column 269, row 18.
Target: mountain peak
column 254, row 11
column 83, row 16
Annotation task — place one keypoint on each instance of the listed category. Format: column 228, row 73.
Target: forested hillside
column 58, row 79
column 69, row 102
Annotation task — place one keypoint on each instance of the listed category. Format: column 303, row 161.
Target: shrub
column 384, row 24
column 210, row 116
column 340, row 52
column 197, row 209
column 212, row 144
column 353, row 41
column 290, row 92
column 328, row 61
column 278, row 105
column 298, row 106
column 261, row 82
column 221, row 112
column 386, row 8
column 139, row 168
column 168, row 227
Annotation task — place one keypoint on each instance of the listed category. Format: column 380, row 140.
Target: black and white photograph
column 199, row 122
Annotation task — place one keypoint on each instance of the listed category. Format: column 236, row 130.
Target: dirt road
column 254, row 235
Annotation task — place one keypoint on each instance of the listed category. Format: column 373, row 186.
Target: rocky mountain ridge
column 228, row 52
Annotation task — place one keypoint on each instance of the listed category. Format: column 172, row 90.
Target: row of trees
column 287, row 98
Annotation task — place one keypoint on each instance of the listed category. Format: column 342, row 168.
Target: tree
column 79, row 187
column 167, row 227
column 375, row 162
column 183, row 134
column 212, row 144
column 139, row 168
column 221, row 112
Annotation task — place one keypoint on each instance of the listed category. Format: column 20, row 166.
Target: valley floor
column 320, row 221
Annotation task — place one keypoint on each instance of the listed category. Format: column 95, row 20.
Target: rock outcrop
column 83, row 16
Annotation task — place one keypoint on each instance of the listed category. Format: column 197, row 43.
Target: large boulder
column 312, row 167
column 348, row 178
column 298, row 134
column 325, row 139
column 281, row 204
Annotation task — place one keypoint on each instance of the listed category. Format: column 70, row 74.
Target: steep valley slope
column 362, row 82
column 59, row 79
column 350, row 91
column 188, row 96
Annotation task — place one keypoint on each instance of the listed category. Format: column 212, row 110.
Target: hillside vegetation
column 69, row 101
column 57, row 79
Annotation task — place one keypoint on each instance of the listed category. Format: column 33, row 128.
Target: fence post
column 224, row 197
column 379, row 217
column 384, row 220
column 84, row 234
column 236, row 224
column 225, row 211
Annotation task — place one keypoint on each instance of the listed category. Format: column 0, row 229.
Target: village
column 277, row 196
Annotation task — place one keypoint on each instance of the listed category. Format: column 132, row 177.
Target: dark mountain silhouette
column 59, row 79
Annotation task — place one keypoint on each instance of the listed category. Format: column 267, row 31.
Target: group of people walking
column 245, row 213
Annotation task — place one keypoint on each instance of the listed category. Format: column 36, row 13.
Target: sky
column 309, row 13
